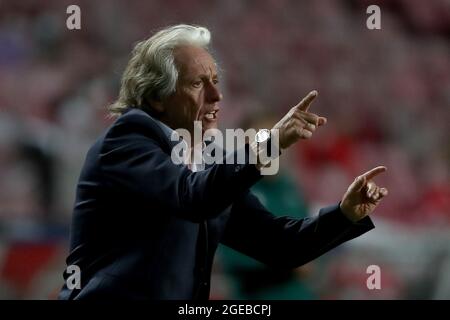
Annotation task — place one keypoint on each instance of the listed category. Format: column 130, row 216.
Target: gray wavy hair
column 151, row 72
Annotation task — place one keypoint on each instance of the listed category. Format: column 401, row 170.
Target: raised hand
column 363, row 195
column 298, row 123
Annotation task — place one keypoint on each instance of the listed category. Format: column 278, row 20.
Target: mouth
column 211, row 116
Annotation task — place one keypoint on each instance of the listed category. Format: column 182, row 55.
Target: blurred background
column 386, row 94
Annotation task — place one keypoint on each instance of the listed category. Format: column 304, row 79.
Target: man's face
column 197, row 95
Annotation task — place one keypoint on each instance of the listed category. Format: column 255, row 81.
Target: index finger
column 375, row 171
column 306, row 101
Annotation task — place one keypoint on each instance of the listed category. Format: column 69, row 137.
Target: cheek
column 193, row 103
column 187, row 104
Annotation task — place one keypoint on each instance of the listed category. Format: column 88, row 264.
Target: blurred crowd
column 386, row 94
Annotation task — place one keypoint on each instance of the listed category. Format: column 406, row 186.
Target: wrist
column 254, row 150
column 347, row 213
column 265, row 147
column 276, row 133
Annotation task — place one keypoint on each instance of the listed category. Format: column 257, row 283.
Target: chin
column 207, row 126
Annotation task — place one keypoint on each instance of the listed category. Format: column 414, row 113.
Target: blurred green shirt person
column 250, row 279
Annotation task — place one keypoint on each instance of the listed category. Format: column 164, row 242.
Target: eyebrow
column 202, row 75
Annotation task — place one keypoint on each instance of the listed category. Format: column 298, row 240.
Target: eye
column 197, row 84
column 215, row 81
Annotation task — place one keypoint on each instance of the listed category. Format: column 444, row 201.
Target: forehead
column 194, row 61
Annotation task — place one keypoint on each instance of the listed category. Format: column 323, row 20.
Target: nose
column 213, row 94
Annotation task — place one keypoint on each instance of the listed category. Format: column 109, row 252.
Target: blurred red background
column 386, row 94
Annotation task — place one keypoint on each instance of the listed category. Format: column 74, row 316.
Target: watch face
column 262, row 135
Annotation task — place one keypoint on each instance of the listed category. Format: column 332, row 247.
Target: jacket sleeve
column 135, row 165
column 286, row 242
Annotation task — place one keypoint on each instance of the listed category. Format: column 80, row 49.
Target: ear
column 156, row 104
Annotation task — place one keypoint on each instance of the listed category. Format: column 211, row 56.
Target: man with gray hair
column 145, row 227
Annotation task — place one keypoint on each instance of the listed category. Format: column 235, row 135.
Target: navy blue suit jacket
column 145, row 228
